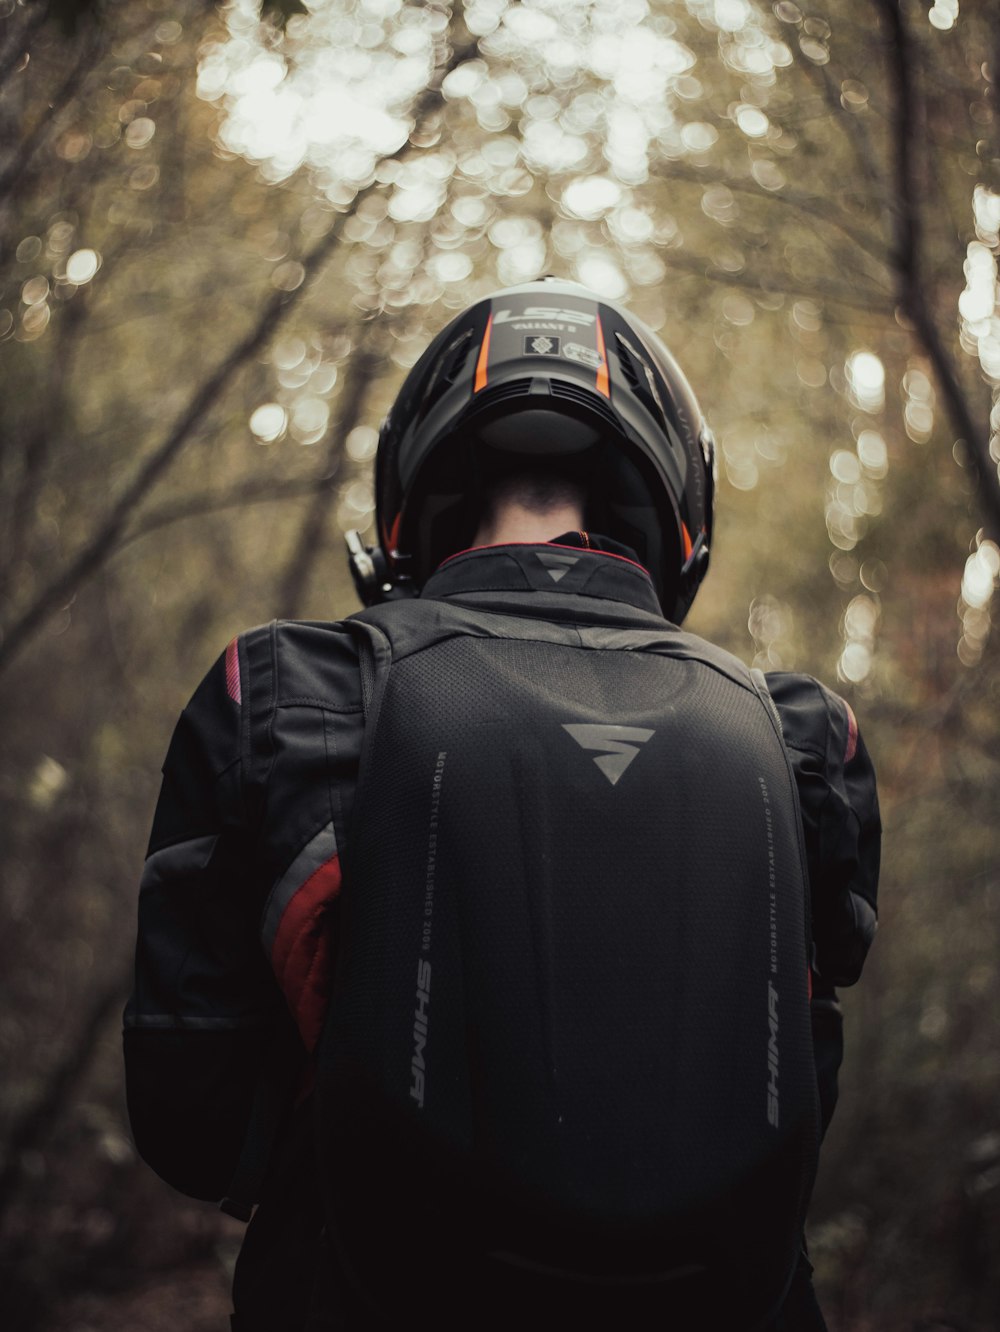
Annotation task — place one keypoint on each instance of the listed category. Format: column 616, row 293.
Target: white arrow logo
column 612, row 741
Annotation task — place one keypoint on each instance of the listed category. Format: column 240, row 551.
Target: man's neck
column 514, row 524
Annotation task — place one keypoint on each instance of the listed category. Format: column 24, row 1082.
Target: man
column 553, row 897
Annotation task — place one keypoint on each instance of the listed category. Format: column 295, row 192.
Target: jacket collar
column 554, row 571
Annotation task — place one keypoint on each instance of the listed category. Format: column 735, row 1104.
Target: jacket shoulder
column 814, row 718
column 838, row 798
column 302, row 661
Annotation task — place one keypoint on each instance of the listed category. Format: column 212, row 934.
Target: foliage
column 223, row 240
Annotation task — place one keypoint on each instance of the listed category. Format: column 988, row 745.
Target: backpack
column 567, row 1065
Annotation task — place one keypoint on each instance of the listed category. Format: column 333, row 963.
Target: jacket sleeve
column 840, row 816
column 205, row 1005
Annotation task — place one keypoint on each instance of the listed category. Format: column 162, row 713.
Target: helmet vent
column 449, row 368
column 628, row 369
column 516, row 388
column 640, row 379
column 457, row 357
column 585, row 398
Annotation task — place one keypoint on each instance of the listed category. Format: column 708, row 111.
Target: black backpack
column 568, row 1068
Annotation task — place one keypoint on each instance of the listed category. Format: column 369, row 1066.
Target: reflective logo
column 556, row 313
column 418, row 1065
column 558, row 566
column 587, row 356
column 542, row 345
column 773, row 1113
column 612, row 742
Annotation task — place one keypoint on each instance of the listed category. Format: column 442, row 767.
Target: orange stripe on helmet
column 688, row 543
column 602, row 370
column 484, row 352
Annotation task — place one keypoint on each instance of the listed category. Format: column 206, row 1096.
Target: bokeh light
column 943, row 14
column 771, row 624
column 361, row 443
column 860, row 627
column 978, row 303
column 309, row 419
column 918, row 405
column 591, row 196
column 28, row 249
column 752, row 121
column 979, row 583
column 268, row 422
column 82, row 266
column 866, row 379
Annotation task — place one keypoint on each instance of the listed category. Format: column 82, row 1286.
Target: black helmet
column 544, row 375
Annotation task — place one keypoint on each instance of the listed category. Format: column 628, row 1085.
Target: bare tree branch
column 835, row 293
column 311, row 535
column 27, row 146
column 851, row 124
column 909, row 259
column 292, row 588
column 810, row 205
column 259, row 491
column 271, row 316
column 17, row 47
column 24, row 486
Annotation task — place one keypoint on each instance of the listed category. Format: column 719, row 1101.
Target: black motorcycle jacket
column 239, row 901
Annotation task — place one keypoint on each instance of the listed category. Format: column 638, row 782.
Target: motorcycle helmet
column 550, row 376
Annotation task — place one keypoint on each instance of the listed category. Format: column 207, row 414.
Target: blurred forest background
column 224, row 236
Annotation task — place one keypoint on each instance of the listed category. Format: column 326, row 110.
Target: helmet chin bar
column 370, row 571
